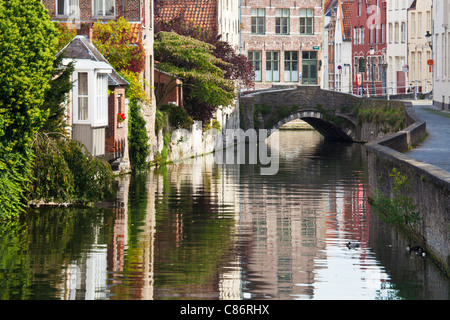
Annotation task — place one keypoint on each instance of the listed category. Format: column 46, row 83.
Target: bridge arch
column 342, row 130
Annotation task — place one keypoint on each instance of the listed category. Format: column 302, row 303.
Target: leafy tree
column 138, row 147
column 115, row 40
column 192, row 61
column 60, row 86
column 238, row 67
column 28, row 44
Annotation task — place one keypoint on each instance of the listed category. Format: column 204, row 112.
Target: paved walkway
column 435, row 149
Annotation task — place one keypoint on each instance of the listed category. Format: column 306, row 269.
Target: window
column 419, row 67
column 83, row 99
column 102, row 99
column 103, row 7
column 306, row 21
column 396, row 33
column 355, row 35
column 413, row 25
column 67, row 7
column 383, row 33
column 273, row 66
column 258, row 21
column 419, row 24
column 255, row 58
column 403, row 31
column 377, row 34
column 391, row 33
column 282, row 21
column 359, row 8
column 361, row 35
column 371, row 35
column 291, row 66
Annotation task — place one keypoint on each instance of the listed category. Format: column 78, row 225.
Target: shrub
column 178, row 116
column 399, row 209
column 138, row 146
column 65, row 171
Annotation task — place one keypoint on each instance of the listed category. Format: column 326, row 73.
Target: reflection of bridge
column 329, row 112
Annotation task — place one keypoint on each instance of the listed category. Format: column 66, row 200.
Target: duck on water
column 352, row 245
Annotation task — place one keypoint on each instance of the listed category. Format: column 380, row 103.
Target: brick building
column 369, row 32
column 283, row 40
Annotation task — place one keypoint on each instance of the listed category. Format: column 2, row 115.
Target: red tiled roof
column 326, row 4
column 201, row 12
column 347, row 11
column 136, row 31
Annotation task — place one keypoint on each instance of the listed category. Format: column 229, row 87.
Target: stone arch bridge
column 333, row 114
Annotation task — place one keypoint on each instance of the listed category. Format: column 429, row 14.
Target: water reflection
column 197, row 230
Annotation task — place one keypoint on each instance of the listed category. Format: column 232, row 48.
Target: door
column 401, row 82
column 309, row 67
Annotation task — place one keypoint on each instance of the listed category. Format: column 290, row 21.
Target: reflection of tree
column 15, row 272
column 34, row 250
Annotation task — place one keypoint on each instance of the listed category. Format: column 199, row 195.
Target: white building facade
column 419, row 24
column 229, row 21
column 441, row 53
column 342, row 52
column 398, row 79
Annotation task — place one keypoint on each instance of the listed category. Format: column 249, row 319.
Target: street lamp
column 372, row 52
column 429, row 39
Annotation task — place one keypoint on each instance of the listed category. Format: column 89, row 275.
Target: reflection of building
column 283, row 40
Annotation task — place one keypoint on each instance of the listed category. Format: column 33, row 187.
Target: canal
column 201, row 230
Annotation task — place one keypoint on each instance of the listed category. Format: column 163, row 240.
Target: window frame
column 77, row 108
column 256, row 15
column 290, row 63
column 68, row 4
column 274, row 65
column 103, row 2
column 282, row 21
column 307, row 18
column 253, row 61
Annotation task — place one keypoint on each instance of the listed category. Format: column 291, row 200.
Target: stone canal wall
column 430, row 185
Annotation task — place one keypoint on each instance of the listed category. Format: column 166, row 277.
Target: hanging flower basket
column 121, row 117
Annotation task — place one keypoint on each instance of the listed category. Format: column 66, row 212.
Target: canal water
column 201, row 230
